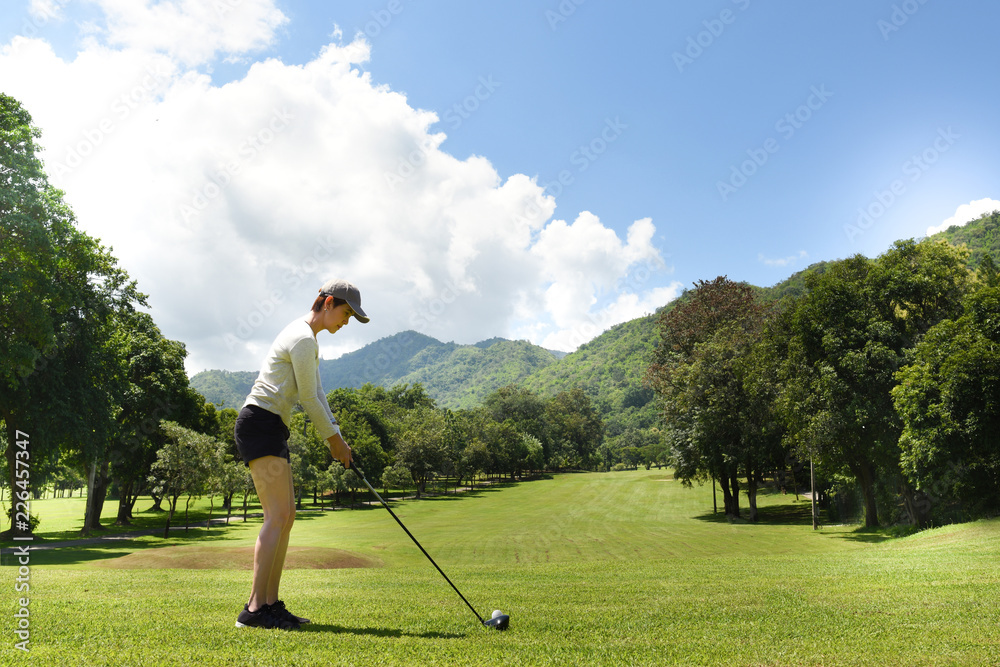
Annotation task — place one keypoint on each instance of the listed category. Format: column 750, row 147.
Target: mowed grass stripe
column 572, row 517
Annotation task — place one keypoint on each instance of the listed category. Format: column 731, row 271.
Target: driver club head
column 498, row 622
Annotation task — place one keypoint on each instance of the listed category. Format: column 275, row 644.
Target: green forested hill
column 981, row 236
column 456, row 376
column 226, row 389
column 609, row 369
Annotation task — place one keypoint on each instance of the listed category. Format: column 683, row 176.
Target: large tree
column 850, row 334
column 577, row 428
column 59, row 291
column 525, row 408
column 949, row 401
column 717, row 419
column 154, row 388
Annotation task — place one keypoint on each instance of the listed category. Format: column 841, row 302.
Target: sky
column 529, row 169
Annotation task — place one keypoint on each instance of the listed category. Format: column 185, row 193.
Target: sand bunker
column 234, row 558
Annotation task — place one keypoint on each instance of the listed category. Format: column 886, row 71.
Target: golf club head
column 498, row 623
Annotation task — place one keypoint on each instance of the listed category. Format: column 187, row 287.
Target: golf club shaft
column 364, row 479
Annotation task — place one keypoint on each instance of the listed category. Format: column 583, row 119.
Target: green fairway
column 604, row 569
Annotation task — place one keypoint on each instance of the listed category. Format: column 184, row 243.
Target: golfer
column 290, row 374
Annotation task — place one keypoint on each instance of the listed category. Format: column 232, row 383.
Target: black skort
column 260, row 432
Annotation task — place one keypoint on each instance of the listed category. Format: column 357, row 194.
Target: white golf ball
column 496, row 612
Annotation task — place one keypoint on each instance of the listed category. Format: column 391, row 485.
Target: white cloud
column 43, row 11
column 784, row 261
column 965, row 213
column 192, row 31
column 231, row 204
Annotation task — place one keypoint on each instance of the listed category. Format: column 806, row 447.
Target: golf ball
column 496, row 612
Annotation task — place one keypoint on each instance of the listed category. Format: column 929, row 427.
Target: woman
column 290, row 374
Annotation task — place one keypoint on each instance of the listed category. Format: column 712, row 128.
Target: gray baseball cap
column 342, row 289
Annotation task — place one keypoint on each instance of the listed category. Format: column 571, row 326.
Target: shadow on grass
column 865, row 535
column 799, row 514
column 377, row 632
column 478, row 492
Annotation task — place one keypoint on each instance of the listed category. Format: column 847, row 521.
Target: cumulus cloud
column 231, row 204
column 965, row 213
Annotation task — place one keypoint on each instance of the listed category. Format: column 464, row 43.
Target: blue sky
column 731, row 137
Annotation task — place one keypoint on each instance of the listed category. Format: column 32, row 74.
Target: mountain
column 227, row 389
column 456, row 376
column 609, row 368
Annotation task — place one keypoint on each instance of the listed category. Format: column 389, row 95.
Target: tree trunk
column 170, row 516
column 867, row 481
column 156, row 503
column 90, row 499
column 917, row 506
column 99, row 491
column 126, row 501
column 734, row 497
column 727, row 495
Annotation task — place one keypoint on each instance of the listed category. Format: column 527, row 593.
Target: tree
column 713, row 415
column 421, row 445
column 336, row 471
column 155, row 387
column 507, row 447
column 576, row 427
column 948, row 398
column 524, row 408
column 59, row 290
column 324, row 483
column 850, row 334
column 215, row 473
column 396, row 477
column 475, row 460
column 181, row 466
column 534, row 454
column 248, row 488
column 230, row 478
column 351, row 480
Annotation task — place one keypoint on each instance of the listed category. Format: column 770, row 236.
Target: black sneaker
column 278, row 609
column 264, row 617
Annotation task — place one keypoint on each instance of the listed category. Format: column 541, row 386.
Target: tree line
column 885, row 373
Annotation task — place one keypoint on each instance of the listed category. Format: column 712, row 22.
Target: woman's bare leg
column 272, row 477
column 279, row 555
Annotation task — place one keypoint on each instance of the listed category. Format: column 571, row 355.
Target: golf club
column 497, row 622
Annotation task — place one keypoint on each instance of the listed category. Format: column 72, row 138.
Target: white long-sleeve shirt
column 290, row 374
